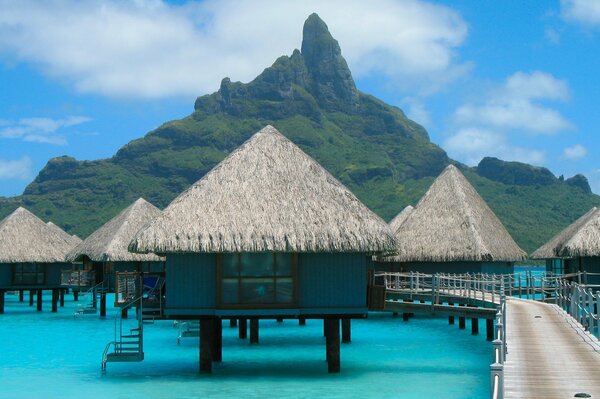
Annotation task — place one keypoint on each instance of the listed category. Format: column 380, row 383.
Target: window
column 29, row 274
column 265, row 279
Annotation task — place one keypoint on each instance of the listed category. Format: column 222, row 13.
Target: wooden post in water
column 243, row 328
column 103, row 304
column 462, row 322
column 254, row 331
column 302, row 321
column 333, row 345
column 474, row 326
column 75, row 296
column 39, row 300
column 206, row 345
column 54, row 300
column 31, row 295
column 489, row 329
column 450, row 318
column 217, row 343
column 346, row 331
column 405, row 316
column 124, row 313
column 62, row 298
column 232, row 322
column 21, row 296
column 1, row 301
column 279, row 320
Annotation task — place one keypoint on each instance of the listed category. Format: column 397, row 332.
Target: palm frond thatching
column 400, row 218
column 267, row 195
column 109, row 243
column 24, row 238
column 73, row 239
column 453, row 223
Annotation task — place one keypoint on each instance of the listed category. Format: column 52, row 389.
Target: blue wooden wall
column 52, row 275
column 191, row 284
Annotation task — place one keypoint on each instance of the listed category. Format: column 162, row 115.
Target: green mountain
column 386, row 159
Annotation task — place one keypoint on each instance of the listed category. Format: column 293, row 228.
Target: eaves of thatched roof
column 400, row 218
column 267, row 195
column 453, row 223
column 581, row 238
column 72, row 239
column 24, row 238
column 109, row 243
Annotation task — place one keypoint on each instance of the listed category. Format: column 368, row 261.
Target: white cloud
column 575, row 153
column 586, row 12
column 417, row 111
column 513, row 106
column 41, row 130
column 16, row 169
column 470, row 145
column 153, row 49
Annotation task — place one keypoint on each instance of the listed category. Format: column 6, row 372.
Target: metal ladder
column 92, row 306
column 127, row 346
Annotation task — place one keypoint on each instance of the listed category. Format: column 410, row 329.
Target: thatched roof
column 24, row 238
column 109, row 243
column 73, row 239
column 400, row 218
column 453, row 223
column 267, row 195
column 581, row 238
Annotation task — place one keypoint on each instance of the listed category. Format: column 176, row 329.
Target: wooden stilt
column 405, row 316
column 31, row 295
column 21, row 296
column 279, row 320
column 1, row 301
column 39, row 300
column 232, row 323
column 124, row 313
column 254, row 331
column 243, row 328
column 54, row 300
column 461, row 322
column 333, row 345
column 474, row 325
column 394, row 314
column 217, row 343
column 206, row 337
column 325, row 328
column 75, row 296
column 489, row 329
column 450, row 318
column 103, row 304
column 346, row 331
column 302, row 321
column 62, row 298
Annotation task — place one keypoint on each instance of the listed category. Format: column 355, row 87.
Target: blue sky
column 513, row 79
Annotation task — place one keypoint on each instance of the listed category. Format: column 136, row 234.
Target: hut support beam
column 62, row 298
column 39, row 300
column 346, row 331
column 206, row 337
column 21, row 295
column 31, row 294
column 302, row 321
column 254, row 331
column 103, row 304
column 333, row 345
column 405, row 316
column 217, row 344
column 124, row 313
column 54, row 300
column 462, row 323
column 489, row 329
column 75, row 296
column 450, row 318
column 232, row 323
column 1, row 301
column 279, row 320
column 243, row 328
column 474, row 326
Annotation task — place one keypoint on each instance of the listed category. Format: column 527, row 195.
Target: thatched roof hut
column 453, row 223
column 581, row 238
column 73, row 239
column 24, row 238
column 109, row 243
column 400, row 218
column 267, row 195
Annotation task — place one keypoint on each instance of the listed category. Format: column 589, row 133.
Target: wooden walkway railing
column 570, row 293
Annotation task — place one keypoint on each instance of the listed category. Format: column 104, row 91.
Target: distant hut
column 104, row 253
column 73, row 239
column 267, row 233
column 380, row 264
column 31, row 256
column 453, row 230
column 575, row 249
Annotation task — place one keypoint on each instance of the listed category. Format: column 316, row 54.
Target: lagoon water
column 54, row 355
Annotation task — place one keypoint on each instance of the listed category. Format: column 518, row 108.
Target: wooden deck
column 549, row 354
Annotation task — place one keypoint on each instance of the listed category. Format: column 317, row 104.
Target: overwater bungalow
column 32, row 255
column 575, row 249
column 267, row 234
column 453, row 230
column 73, row 239
column 104, row 254
column 394, row 224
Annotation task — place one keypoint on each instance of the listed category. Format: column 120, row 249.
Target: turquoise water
column 54, row 355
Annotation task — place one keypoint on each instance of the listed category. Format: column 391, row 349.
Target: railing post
column 497, row 381
column 590, row 313
column 598, row 314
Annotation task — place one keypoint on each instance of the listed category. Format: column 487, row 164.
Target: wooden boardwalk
column 549, row 354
